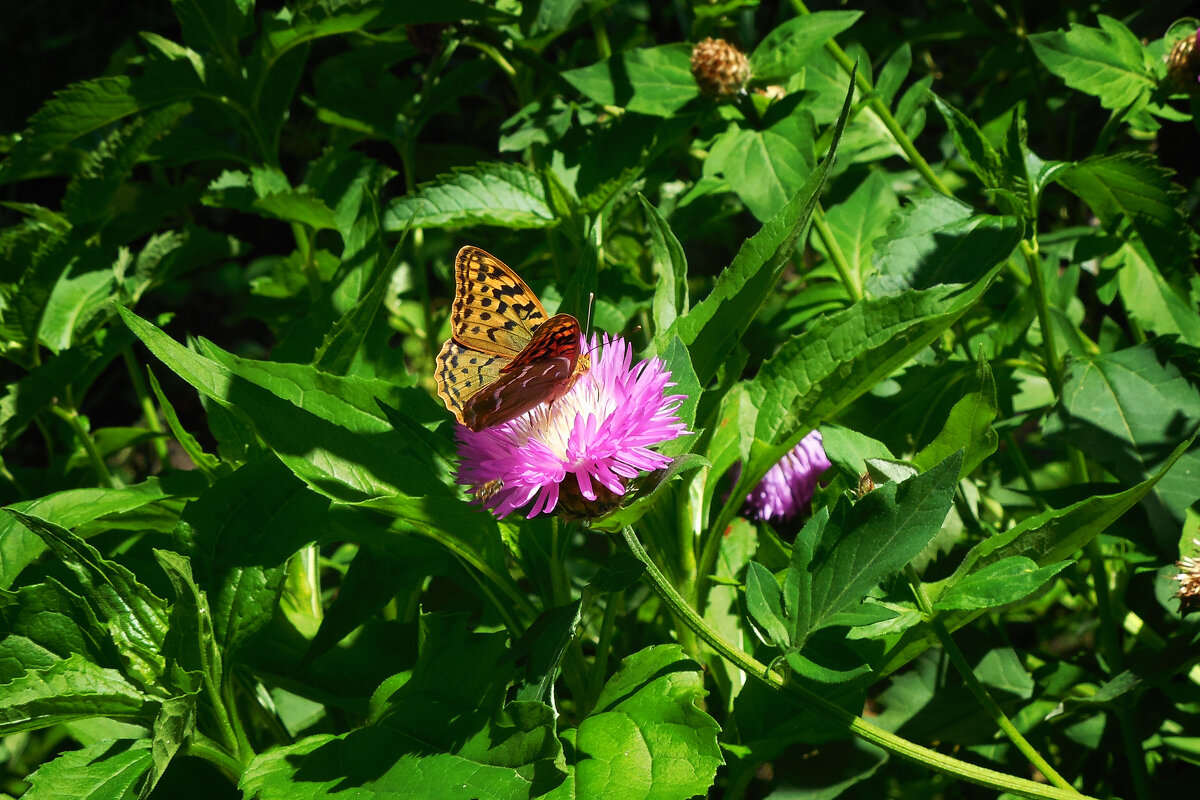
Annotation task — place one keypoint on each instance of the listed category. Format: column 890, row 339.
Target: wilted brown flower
column 1189, row 582
column 719, row 68
column 1183, row 64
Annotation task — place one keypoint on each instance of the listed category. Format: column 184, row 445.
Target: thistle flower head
column 719, row 68
column 581, row 451
column 789, row 485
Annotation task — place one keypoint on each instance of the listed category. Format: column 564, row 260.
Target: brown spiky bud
column 1183, row 64
column 720, row 69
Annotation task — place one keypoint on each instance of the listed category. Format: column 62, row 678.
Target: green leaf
column 19, row 546
column 1134, row 186
column 240, row 534
column 1127, row 410
column 842, row 355
column 447, row 733
column 489, row 193
column 75, row 111
column 714, row 326
column 938, row 239
column 74, row 303
column 133, row 616
column 106, row 770
column 860, row 220
column 71, row 689
column 764, row 601
column 766, row 166
column 212, row 25
column 72, row 370
column 1147, row 296
column 646, row 736
column 1005, row 581
column 328, row 430
column 968, row 428
column 91, row 193
column 871, row 541
column 788, row 47
column 1046, row 538
column 1108, row 63
column 974, row 147
column 208, row 464
column 670, row 267
column 266, row 192
column 650, row 80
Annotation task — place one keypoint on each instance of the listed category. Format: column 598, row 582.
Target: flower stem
column 71, row 417
column 981, row 693
column 849, row 278
column 857, row 726
column 203, row 747
column 1049, row 344
column 881, row 110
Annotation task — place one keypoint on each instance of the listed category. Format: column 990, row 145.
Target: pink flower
column 789, row 485
column 582, row 449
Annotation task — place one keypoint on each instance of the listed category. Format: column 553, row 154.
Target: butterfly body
column 504, row 356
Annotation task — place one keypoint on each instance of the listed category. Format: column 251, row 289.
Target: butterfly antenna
column 587, row 328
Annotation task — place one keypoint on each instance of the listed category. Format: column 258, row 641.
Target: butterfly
column 504, row 356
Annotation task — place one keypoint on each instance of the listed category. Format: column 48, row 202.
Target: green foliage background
column 957, row 238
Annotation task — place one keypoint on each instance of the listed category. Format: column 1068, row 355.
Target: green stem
column 149, row 410
column 857, row 726
column 1049, row 344
column 201, row 746
column 71, row 417
column 990, row 706
column 600, row 34
column 881, row 110
column 849, row 278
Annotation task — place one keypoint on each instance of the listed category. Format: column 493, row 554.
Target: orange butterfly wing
column 504, row 357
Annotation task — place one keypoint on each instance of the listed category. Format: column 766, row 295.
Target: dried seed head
column 1189, row 582
column 720, row 69
column 1183, row 64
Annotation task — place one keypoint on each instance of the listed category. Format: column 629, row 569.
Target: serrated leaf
column 1126, row 410
column 788, row 47
column 71, row 689
column 91, row 192
column 1006, row 581
column 266, row 192
column 106, row 770
column 1108, row 63
column 134, row 616
column 650, row 80
column 1046, row 538
column 1148, row 298
column 873, row 540
column 489, row 193
column 77, row 110
column 973, row 146
column 1133, row 185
